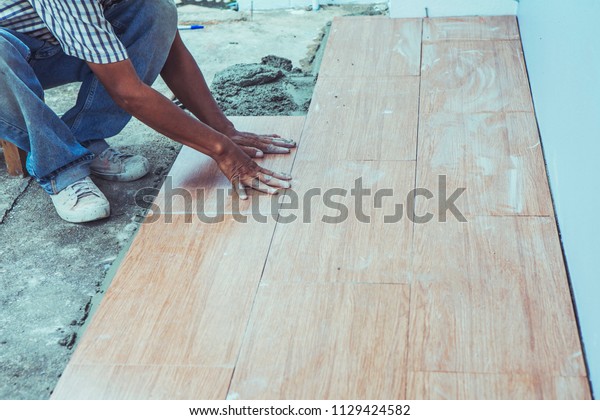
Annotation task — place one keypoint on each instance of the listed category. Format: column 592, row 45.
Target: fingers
column 261, row 148
column 252, row 151
column 245, row 173
column 276, row 150
column 271, row 143
column 240, row 190
column 262, row 187
column 263, row 183
column 273, row 182
column 272, row 136
column 268, row 145
column 278, row 175
column 278, row 141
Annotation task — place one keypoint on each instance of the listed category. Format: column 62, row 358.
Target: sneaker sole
column 120, row 177
column 98, row 214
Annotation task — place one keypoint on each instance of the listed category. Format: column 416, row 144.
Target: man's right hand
column 244, row 173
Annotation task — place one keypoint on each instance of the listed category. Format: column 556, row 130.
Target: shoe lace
column 82, row 189
column 115, row 156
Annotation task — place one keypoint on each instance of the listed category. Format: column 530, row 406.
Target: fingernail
column 259, row 153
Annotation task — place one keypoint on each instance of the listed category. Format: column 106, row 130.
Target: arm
column 183, row 76
column 156, row 111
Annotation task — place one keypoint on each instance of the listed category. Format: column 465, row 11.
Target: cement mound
column 279, row 62
column 270, row 88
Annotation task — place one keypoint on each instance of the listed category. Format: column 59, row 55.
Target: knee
column 15, row 72
column 164, row 18
column 12, row 51
column 14, row 65
column 167, row 10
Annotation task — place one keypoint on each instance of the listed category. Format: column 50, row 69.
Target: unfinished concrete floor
column 50, row 270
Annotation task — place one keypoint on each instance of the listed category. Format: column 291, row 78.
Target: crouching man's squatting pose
column 116, row 48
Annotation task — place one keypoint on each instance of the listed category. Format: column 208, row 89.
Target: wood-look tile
column 474, row 76
column 182, row 295
column 491, row 296
column 372, row 46
column 354, row 249
column 470, row 28
column 196, row 185
column 308, row 341
column 138, row 382
column 362, row 119
column 355, row 310
column 470, row 386
column 497, row 158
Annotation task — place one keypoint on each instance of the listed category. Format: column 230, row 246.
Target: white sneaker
column 116, row 166
column 81, row 202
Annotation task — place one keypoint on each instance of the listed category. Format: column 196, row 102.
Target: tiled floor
column 316, row 301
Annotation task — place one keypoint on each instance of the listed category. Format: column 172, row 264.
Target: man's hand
column 256, row 145
column 243, row 172
column 184, row 78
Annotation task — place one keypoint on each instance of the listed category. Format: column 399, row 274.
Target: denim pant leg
column 147, row 30
column 54, row 157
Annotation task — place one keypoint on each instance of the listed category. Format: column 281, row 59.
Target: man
column 116, row 48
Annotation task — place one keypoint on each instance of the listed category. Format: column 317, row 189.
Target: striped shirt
column 79, row 26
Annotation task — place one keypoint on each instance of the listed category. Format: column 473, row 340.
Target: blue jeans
column 59, row 149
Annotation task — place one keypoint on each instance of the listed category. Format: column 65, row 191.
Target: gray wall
column 562, row 49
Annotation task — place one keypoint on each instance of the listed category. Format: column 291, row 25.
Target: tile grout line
column 252, row 306
column 412, row 239
column 468, row 40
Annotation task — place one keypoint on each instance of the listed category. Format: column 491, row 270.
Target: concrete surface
column 246, row 5
column 440, row 8
column 51, row 272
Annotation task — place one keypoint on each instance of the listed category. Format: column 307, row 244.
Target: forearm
column 156, row 111
column 183, row 76
column 159, row 113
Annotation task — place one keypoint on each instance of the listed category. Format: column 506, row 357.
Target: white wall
column 561, row 49
column 435, row 8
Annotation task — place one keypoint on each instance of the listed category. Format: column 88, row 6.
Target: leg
column 55, row 158
column 147, row 29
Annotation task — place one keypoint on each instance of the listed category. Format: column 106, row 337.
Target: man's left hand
column 256, row 145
